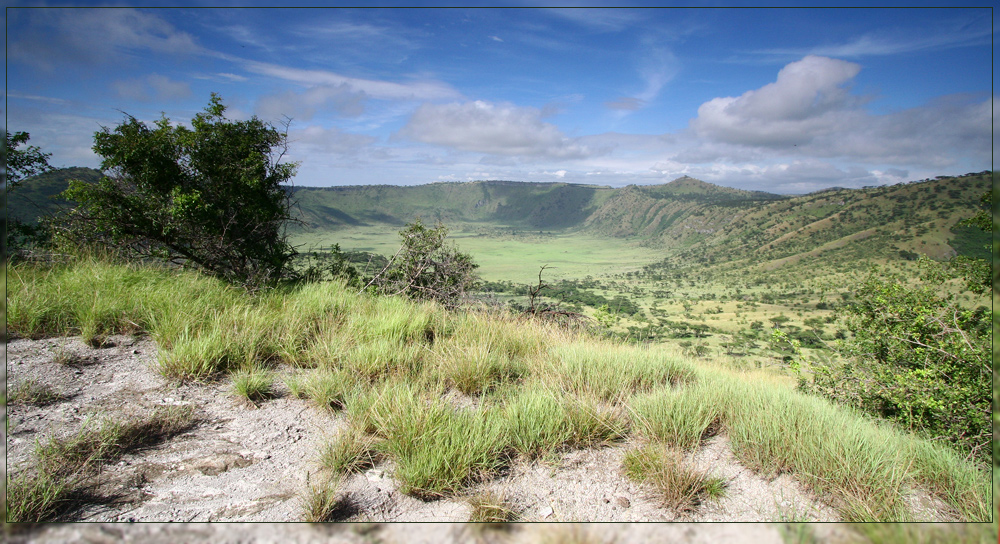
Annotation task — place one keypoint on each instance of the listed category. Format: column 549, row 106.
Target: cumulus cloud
column 498, row 129
column 808, row 98
column 808, row 112
column 152, row 87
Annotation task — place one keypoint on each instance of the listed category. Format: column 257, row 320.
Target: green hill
column 897, row 222
column 521, row 204
column 687, row 219
column 37, row 195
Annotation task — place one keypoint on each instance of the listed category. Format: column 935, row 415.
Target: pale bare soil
column 246, row 463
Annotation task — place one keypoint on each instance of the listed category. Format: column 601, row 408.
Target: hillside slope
column 521, row 204
column 897, row 222
column 37, row 195
column 687, row 218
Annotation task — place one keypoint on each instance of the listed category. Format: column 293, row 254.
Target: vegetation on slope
column 391, row 365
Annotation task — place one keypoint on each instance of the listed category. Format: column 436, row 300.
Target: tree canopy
column 22, row 162
column 209, row 196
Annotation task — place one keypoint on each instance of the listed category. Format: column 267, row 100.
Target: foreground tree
column 426, row 268
column 22, row 161
column 210, row 197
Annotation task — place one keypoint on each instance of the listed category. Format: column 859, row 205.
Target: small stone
column 546, row 512
column 623, row 501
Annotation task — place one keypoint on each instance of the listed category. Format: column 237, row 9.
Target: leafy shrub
column 918, row 358
column 425, row 268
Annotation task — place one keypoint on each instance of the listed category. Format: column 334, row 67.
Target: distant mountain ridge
column 540, row 205
column 686, row 218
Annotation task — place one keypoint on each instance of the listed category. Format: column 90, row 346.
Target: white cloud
column 152, row 87
column 382, row 90
column 809, row 113
column 232, row 77
column 626, row 103
column 657, row 66
column 946, row 35
column 341, row 99
column 808, row 99
column 600, row 20
column 315, row 139
column 501, row 129
column 69, row 37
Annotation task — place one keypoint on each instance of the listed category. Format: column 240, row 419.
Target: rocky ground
column 246, row 463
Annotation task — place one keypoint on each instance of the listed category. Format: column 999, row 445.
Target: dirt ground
column 245, row 463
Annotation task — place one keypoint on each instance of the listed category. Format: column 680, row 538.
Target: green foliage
column 918, row 358
column 19, row 162
column 334, row 264
column 425, row 268
column 210, row 197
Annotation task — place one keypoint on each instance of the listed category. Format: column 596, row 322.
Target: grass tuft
column 542, row 421
column 253, row 384
column 322, row 502
column 437, row 450
column 351, row 451
column 677, row 485
column 613, row 372
column 327, row 389
column 35, row 393
column 65, row 471
column 491, row 507
column 478, row 368
column 680, row 418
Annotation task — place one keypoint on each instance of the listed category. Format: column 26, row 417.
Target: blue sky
column 784, row 100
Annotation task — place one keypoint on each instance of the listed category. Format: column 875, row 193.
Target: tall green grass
column 437, row 448
column 533, row 389
column 614, row 372
column 680, row 418
column 542, row 420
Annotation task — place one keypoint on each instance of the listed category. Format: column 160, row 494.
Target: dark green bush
column 917, row 357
